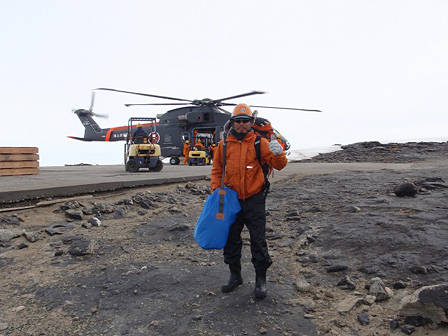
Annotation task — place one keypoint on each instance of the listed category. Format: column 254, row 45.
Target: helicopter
column 199, row 119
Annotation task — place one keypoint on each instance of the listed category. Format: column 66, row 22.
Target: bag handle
column 222, row 192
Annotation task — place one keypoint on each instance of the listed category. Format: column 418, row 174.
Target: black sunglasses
column 241, row 120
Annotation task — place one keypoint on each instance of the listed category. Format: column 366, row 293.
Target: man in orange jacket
column 186, row 151
column 213, row 149
column 199, row 145
column 243, row 173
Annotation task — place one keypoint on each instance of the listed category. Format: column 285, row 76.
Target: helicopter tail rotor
column 92, row 101
column 105, row 116
column 90, row 111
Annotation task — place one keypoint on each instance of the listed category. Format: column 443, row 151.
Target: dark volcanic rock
column 346, row 284
column 73, row 214
column 59, row 228
column 337, row 268
column 79, row 245
column 10, row 220
column 406, row 189
column 427, row 305
column 399, row 285
column 364, row 318
column 431, row 183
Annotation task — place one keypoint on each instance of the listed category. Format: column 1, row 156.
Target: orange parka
column 186, row 150
column 199, row 146
column 243, row 171
column 213, row 149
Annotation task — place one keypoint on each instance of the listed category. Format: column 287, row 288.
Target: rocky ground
column 349, row 256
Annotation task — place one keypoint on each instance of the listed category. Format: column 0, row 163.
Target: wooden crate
column 19, row 161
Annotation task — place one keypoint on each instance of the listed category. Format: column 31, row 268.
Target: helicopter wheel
column 158, row 167
column 174, row 160
column 132, row 166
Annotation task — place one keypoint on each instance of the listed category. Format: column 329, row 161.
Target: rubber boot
column 235, row 278
column 260, row 284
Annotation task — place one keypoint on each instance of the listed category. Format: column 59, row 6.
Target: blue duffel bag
column 218, row 214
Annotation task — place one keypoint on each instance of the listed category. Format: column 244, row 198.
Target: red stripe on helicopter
column 122, row 128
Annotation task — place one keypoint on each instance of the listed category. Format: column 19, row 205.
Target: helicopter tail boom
column 92, row 131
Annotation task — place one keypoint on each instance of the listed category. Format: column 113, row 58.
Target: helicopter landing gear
column 174, row 160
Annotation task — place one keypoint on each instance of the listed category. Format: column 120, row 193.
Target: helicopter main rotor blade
column 275, row 107
column 222, row 110
column 201, row 102
column 239, row 96
column 287, row 108
column 160, row 104
column 143, row 94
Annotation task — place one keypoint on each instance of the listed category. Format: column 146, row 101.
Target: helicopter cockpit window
column 167, row 138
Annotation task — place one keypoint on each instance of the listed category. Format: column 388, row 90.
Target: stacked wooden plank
column 19, row 161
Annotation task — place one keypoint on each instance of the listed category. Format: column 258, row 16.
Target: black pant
column 253, row 215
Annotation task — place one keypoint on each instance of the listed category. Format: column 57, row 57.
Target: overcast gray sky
column 377, row 69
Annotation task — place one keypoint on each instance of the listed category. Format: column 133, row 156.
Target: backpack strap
column 257, row 145
column 222, row 192
column 224, row 159
column 265, row 167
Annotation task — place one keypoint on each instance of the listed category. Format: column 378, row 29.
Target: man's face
column 241, row 125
